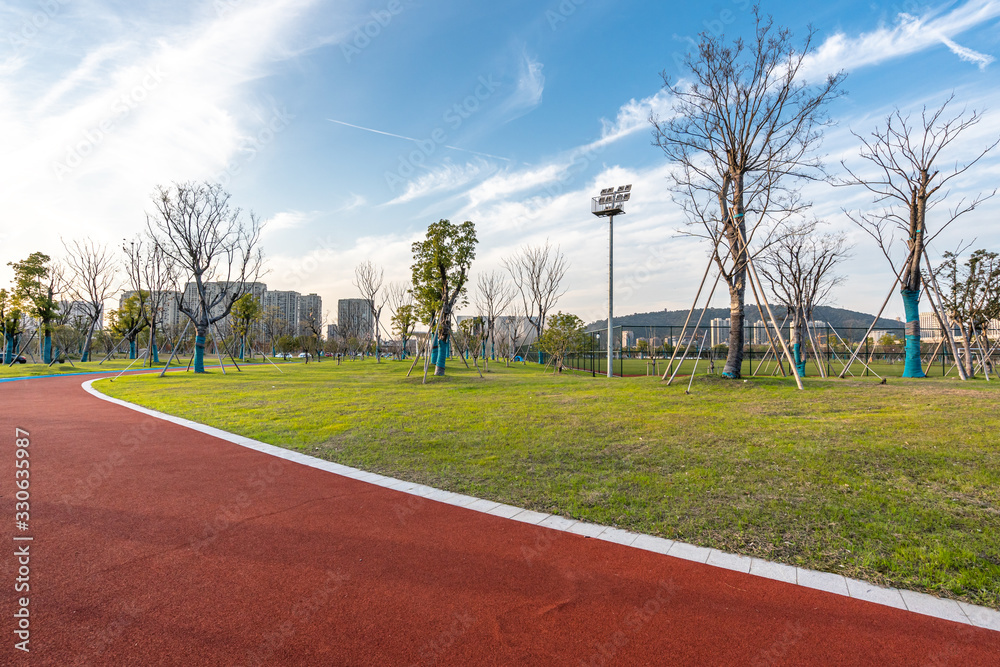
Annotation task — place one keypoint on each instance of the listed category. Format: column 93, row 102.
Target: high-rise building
column 719, row 330
column 166, row 301
column 355, row 318
column 310, row 310
column 287, row 304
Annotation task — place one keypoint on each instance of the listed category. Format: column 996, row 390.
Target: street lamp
column 608, row 204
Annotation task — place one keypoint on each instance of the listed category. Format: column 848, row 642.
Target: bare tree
column 92, row 282
column 402, row 314
column 493, row 298
column 971, row 299
column 907, row 184
column 196, row 229
column 275, row 326
column 369, row 278
column 151, row 275
column 311, row 325
column 799, row 268
column 538, row 273
column 743, row 133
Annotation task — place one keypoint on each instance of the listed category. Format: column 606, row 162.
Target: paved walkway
column 157, row 544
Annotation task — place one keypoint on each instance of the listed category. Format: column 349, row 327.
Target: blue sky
column 351, row 125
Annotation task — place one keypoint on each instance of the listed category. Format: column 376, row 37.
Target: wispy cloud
column 87, row 138
column 444, row 178
column 910, row 34
column 530, row 87
column 416, row 141
column 981, row 60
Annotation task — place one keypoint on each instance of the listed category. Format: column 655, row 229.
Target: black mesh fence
column 646, row 350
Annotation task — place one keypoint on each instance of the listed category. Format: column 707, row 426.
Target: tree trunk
column 734, row 358
column 47, row 348
column 199, row 349
column 911, row 305
column 85, row 354
column 131, row 348
column 967, row 345
column 798, row 339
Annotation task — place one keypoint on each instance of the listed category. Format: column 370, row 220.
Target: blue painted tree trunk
column 156, row 353
column 243, row 349
column 47, row 348
column 443, row 352
column 911, row 305
column 800, row 362
column 9, row 347
column 131, row 349
column 199, row 354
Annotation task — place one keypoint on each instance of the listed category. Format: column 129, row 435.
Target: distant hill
column 839, row 318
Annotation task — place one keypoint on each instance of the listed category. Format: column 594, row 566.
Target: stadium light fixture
column 608, row 204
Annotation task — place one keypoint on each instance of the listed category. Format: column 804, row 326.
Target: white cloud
column 286, row 220
column 530, row 86
column 444, row 178
column 910, row 35
column 981, row 60
column 87, row 138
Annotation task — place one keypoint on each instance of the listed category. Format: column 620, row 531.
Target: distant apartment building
column 628, row 340
column 355, row 318
column 286, row 303
column 310, row 311
column 77, row 313
column 718, row 329
column 166, row 301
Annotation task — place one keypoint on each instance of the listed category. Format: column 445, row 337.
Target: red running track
column 155, row 544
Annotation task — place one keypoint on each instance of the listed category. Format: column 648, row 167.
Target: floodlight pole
column 611, row 292
column 608, row 204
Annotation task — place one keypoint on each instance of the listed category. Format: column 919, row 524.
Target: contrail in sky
column 399, row 136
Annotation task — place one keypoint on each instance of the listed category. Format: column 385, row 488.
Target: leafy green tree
column 37, row 284
column 971, row 297
column 474, row 334
column 130, row 320
column 11, row 321
column 563, row 336
column 403, row 322
column 246, row 312
column 440, row 272
column 287, row 344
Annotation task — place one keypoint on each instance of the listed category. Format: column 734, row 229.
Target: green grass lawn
column 33, row 370
column 769, row 367
column 897, row 484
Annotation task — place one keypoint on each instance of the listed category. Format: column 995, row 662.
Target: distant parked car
column 303, row 355
column 6, row 360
